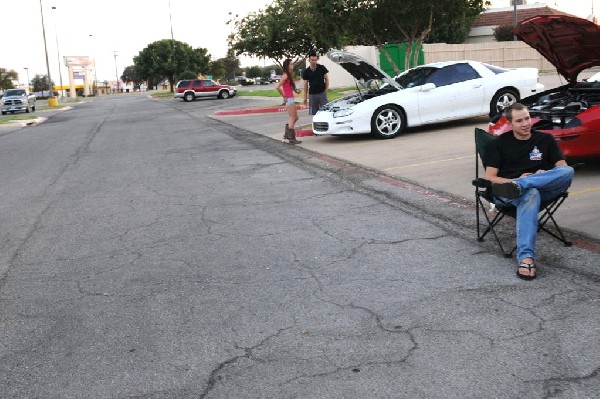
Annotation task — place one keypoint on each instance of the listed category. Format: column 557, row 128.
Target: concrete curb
column 260, row 110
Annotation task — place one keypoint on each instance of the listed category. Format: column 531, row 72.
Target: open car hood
column 571, row 44
column 360, row 68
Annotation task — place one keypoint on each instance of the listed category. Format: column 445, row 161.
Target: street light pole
column 28, row 81
column 116, row 73
column 51, row 94
column 94, row 61
column 58, row 57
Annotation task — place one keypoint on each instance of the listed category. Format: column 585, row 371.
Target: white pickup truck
column 14, row 100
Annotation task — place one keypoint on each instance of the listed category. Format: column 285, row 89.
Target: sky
column 124, row 26
column 101, row 29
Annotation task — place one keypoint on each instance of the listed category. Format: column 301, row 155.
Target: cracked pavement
column 151, row 252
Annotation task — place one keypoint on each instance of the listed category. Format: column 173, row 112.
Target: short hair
column 508, row 111
column 313, row 54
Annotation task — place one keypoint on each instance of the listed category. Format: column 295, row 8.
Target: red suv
column 190, row 89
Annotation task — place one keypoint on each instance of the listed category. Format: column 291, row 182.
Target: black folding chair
column 499, row 209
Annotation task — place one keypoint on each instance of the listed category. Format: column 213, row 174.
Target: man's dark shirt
column 514, row 157
column 316, row 79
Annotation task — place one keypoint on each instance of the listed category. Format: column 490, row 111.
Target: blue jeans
column 536, row 188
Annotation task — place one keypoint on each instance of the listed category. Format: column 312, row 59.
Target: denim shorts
column 290, row 101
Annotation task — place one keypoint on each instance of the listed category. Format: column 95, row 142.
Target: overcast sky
column 127, row 27
column 124, row 26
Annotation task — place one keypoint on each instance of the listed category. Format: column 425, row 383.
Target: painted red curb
column 264, row 110
column 304, row 133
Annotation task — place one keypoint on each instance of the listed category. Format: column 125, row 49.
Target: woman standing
column 287, row 87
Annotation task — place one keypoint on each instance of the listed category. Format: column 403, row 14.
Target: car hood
column 571, row 44
column 360, row 68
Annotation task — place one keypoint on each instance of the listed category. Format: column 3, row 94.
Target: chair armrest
column 481, row 183
column 578, row 166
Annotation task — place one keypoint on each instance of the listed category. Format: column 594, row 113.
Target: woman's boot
column 293, row 139
column 290, row 136
column 285, row 132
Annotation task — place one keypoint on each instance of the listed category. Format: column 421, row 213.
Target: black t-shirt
column 316, row 79
column 514, row 157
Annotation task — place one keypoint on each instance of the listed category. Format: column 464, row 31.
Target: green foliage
column 285, row 29
column 41, row 83
column 166, row 59
column 130, row 74
column 217, row 69
column 187, row 75
column 6, row 78
column 504, row 33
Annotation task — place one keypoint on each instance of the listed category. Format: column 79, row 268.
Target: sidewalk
column 436, row 157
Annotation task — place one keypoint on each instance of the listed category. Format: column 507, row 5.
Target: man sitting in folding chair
column 526, row 167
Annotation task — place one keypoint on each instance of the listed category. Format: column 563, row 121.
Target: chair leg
column 491, row 226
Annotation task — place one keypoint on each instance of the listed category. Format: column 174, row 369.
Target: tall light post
column 51, row 94
column 58, row 57
column 116, row 73
column 28, row 81
column 94, row 62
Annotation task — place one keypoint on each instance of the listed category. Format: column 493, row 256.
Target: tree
column 41, row 83
column 130, row 74
column 504, row 33
column 285, row 29
column 166, row 59
column 6, row 78
column 231, row 63
column 217, row 69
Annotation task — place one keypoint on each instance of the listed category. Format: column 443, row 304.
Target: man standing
column 526, row 167
column 316, row 84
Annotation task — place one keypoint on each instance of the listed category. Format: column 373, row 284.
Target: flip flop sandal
column 529, row 267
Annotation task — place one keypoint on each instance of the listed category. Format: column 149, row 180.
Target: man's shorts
column 316, row 101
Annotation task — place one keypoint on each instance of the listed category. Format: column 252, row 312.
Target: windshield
column 9, row 93
column 414, row 77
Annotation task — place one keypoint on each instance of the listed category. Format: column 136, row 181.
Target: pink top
column 288, row 90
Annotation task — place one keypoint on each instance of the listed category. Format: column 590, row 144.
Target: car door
column 469, row 91
column 198, row 88
column 210, row 88
column 458, row 93
column 436, row 102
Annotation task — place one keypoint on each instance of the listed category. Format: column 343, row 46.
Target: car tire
column 224, row 94
column 27, row 109
column 33, row 108
column 502, row 99
column 187, row 97
column 3, row 113
column 387, row 121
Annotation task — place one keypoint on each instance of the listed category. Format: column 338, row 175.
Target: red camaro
column 571, row 113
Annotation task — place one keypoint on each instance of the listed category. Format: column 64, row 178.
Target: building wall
column 505, row 54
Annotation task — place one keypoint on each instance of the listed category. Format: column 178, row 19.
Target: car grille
column 321, row 126
column 13, row 102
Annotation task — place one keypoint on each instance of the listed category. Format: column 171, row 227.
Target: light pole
column 51, row 94
column 28, row 81
column 58, row 57
column 116, row 73
column 95, row 72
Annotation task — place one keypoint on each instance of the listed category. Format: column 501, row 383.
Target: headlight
column 343, row 112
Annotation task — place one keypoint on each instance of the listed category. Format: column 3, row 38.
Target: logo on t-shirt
column 535, row 155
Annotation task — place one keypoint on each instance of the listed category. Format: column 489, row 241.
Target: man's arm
column 326, row 76
column 562, row 162
column 491, row 174
column 306, row 91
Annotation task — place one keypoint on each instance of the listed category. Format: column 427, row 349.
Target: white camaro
column 442, row 91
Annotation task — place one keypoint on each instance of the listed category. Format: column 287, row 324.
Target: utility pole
column 50, row 94
column 116, row 73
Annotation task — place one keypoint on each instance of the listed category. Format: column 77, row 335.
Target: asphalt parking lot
column 438, row 157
